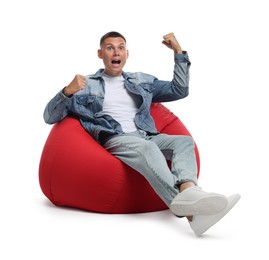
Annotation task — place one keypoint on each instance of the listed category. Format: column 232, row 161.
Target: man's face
column 114, row 54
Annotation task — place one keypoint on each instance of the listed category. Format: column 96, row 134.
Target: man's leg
column 137, row 151
column 146, row 158
column 180, row 151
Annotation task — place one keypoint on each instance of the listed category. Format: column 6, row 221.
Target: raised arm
column 58, row 106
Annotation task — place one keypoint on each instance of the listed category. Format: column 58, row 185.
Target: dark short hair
column 112, row 34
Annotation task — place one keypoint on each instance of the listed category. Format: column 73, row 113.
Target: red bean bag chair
column 76, row 171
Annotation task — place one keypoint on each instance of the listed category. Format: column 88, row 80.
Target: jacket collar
column 125, row 75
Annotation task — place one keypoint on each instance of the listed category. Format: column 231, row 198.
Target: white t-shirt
column 119, row 103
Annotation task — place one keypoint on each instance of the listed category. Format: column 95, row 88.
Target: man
column 114, row 107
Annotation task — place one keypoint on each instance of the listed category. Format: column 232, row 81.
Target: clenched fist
column 171, row 42
column 77, row 84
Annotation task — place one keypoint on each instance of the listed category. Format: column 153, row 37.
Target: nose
column 116, row 52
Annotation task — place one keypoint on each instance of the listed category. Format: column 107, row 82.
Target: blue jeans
column 148, row 155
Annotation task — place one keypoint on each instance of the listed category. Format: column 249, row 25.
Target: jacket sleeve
column 165, row 91
column 57, row 108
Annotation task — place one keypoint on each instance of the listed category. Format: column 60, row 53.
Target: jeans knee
column 184, row 142
column 189, row 140
column 148, row 147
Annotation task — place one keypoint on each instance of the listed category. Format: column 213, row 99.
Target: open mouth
column 116, row 61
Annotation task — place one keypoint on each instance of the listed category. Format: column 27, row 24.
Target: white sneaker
column 194, row 201
column 201, row 223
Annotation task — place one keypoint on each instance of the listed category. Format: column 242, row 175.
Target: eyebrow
column 111, row 44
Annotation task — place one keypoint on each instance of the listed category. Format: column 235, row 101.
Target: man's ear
column 127, row 53
column 100, row 54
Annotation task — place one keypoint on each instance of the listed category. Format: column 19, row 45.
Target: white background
column 45, row 43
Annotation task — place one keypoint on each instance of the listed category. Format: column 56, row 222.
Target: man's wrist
column 65, row 92
column 178, row 51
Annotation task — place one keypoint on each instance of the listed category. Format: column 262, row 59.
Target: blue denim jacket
column 87, row 104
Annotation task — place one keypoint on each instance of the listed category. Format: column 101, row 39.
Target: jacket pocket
column 85, row 105
column 85, row 100
column 146, row 92
column 146, row 87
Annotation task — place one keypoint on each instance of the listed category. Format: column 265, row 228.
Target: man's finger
column 167, row 36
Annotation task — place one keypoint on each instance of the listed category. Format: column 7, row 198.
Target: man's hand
column 171, row 42
column 77, row 84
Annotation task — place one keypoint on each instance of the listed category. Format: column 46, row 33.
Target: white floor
column 44, row 43
column 31, row 227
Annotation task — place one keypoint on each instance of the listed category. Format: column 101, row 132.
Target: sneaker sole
column 208, row 223
column 210, row 205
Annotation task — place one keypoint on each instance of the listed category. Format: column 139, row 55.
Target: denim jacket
column 87, row 104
